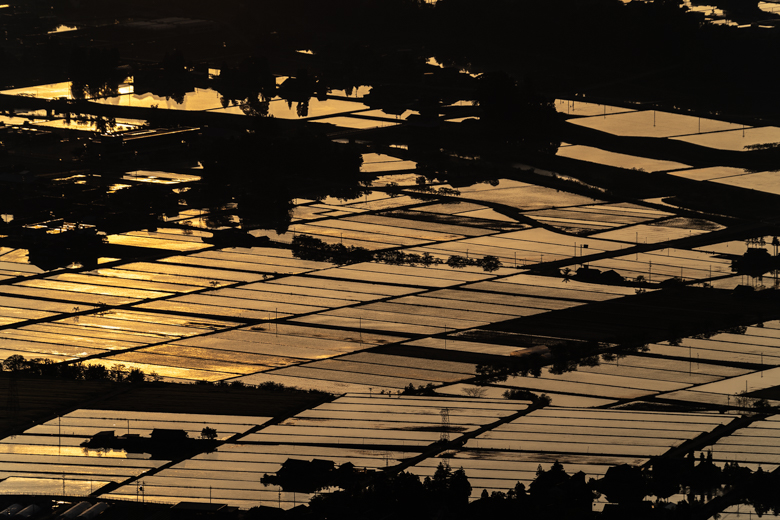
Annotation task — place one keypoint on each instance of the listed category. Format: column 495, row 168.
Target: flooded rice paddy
column 191, row 311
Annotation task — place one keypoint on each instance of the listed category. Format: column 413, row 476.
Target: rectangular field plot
column 95, row 278
column 352, row 237
column 518, row 248
column 595, row 218
column 85, row 335
column 616, row 380
column 195, row 275
column 710, row 173
column 593, row 388
column 386, row 421
column 497, row 392
column 571, row 219
column 11, row 255
column 633, row 376
column 395, row 318
column 419, row 226
column 452, row 343
column 653, row 123
column 411, row 362
column 462, row 214
column 41, row 340
column 311, row 211
column 629, row 368
column 612, row 433
column 339, row 288
column 158, row 240
column 256, row 304
column 768, row 182
column 258, row 292
column 373, row 201
column 393, row 324
column 73, row 294
column 269, row 261
column 667, row 263
column 741, row 348
column 724, row 392
column 333, row 387
column 171, row 365
column 324, row 378
column 32, row 484
column 735, row 139
column 737, row 247
column 155, row 326
column 651, row 234
column 583, row 108
column 134, row 273
column 618, row 160
column 129, row 292
column 508, row 305
column 390, row 370
column 298, row 342
column 377, row 162
column 87, row 422
column 16, row 263
column 382, row 230
column 524, row 196
column 415, row 276
column 552, row 287
column 232, row 474
column 181, row 372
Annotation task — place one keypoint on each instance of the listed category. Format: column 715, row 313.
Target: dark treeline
column 560, row 358
column 632, row 492
column 47, row 368
column 307, row 247
column 17, row 365
column 593, row 46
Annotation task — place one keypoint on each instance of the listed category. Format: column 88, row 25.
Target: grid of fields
column 372, row 432
column 188, row 311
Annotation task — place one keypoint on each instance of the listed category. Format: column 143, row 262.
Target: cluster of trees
column 410, row 389
column 307, row 247
column 267, row 386
column 401, row 495
column 170, row 78
column 263, row 171
column 312, row 476
column 554, row 493
column 521, row 394
column 627, row 486
column 560, row 358
column 250, row 85
column 118, row 373
column 94, row 72
column 42, row 367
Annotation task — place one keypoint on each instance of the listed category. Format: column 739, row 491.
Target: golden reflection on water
column 65, row 451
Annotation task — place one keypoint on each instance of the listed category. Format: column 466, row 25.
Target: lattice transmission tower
column 445, row 425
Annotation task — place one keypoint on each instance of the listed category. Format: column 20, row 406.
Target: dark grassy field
column 36, row 400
